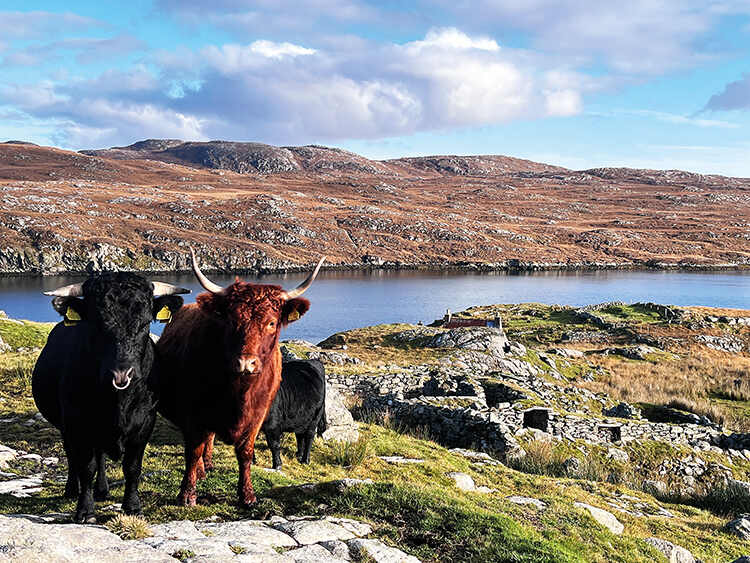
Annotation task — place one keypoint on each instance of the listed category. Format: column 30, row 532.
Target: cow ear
column 212, row 304
column 294, row 309
column 166, row 306
column 71, row 309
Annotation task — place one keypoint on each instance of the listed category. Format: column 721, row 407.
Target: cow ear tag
column 164, row 315
column 71, row 317
column 293, row 316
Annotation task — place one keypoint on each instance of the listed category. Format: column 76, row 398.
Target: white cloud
column 684, row 119
column 26, row 25
column 452, row 38
column 281, row 92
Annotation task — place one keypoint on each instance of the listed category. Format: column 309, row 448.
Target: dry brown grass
column 691, row 382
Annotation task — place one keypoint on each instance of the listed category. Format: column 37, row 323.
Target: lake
column 344, row 300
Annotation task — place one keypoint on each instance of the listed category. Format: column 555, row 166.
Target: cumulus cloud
column 736, row 95
column 283, row 92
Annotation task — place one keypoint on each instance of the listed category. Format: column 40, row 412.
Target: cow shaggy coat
column 223, row 371
column 94, row 381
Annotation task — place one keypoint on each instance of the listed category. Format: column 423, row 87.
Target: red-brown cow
column 222, row 368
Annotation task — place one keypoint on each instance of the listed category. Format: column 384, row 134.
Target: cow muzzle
column 247, row 364
column 121, row 378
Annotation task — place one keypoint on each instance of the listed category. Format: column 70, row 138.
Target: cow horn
column 301, row 288
column 207, row 284
column 72, row 290
column 161, row 288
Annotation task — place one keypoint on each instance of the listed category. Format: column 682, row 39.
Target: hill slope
column 250, row 206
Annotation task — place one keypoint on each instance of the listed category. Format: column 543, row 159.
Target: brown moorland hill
column 256, row 207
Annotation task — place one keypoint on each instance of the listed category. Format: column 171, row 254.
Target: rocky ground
column 254, row 207
column 616, row 432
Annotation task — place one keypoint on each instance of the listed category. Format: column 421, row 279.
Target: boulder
column 673, row 553
column 341, row 425
column 622, row 410
column 606, row 519
column 484, row 339
column 307, row 532
column 740, row 527
column 462, row 480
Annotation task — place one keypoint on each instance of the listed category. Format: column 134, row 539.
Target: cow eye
column 271, row 325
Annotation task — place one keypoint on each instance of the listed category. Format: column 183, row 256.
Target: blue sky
column 580, row 84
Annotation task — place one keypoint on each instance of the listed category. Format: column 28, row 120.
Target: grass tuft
column 350, row 454
column 129, row 527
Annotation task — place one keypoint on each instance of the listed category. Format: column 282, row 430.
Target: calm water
column 353, row 299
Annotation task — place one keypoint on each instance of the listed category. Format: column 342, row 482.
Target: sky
column 646, row 84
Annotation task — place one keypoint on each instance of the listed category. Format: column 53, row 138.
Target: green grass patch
column 24, row 334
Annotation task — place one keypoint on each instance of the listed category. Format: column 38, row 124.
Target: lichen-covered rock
column 623, row 410
column 26, row 538
column 484, row 339
column 341, row 425
column 606, row 519
column 379, row 552
column 307, row 532
column 673, row 553
column 740, row 527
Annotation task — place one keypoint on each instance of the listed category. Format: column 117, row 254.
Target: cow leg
column 101, row 489
column 208, row 453
column 308, row 440
column 300, row 445
column 71, row 485
column 84, row 463
column 273, row 437
column 132, row 464
column 244, row 452
column 193, row 456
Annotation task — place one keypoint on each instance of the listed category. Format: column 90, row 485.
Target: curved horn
column 161, row 288
column 301, row 288
column 207, row 284
column 72, row 290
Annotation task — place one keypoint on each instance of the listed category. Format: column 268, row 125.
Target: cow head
column 252, row 316
column 118, row 309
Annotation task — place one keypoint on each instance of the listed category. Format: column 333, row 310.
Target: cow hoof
column 83, row 517
column 187, row 499
column 132, row 507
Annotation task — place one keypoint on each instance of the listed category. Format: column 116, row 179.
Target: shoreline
column 512, row 266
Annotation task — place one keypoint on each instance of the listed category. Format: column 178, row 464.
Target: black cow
column 299, row 407
column 94, row 379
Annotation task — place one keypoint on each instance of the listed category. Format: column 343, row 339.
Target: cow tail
column 323, row 422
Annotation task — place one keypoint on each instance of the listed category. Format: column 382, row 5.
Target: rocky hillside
column 614, row 432
column 256, row 207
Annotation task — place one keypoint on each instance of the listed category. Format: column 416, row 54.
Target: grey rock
column 356, row 527
column 313, row 553
column 740, row 527
column 337, row 549
column 399, row 460
column 606, row 519
column 742, row 559
column 623, row 410
column 515, row 499
column 673, row 553
column 6, row 454
column 462, row 480
column 655, row 488
column 307, row 532
column 204, row 547
column 247, row 531
column 379, row 552
column 177, row 530
column 341, row 425
column 27, row 540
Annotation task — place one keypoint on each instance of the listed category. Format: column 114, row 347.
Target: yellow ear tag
column 293, row 316
column 164, row 315
column 71, row 317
